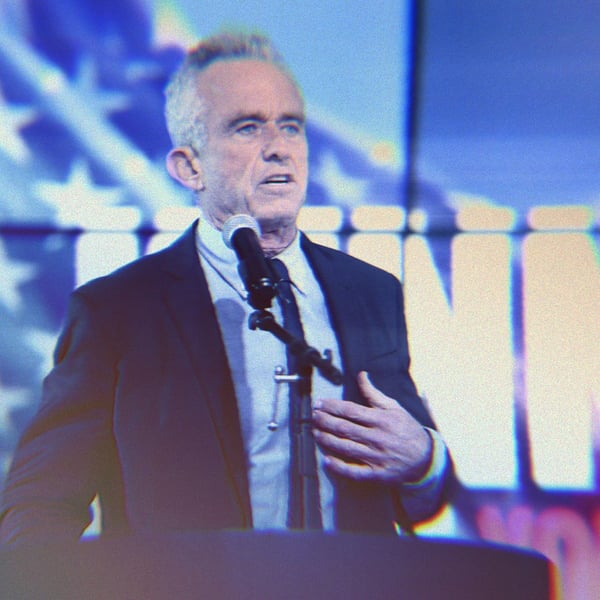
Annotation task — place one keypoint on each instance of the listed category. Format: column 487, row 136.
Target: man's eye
column 292, row 129
column 247, row 129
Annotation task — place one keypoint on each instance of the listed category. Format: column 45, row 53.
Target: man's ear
column 184, row 166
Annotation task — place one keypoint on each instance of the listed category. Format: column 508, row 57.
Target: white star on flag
column 77, row 199
column 12, row 120
column 13, row 273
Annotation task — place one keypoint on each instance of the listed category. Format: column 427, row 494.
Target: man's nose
column 275, row 145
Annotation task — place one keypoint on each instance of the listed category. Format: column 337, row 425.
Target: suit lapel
column 346, row 310
column 190, row 306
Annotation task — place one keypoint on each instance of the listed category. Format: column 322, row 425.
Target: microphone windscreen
column 238, row 222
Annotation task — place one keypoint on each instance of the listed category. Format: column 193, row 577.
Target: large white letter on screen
column 562, row 352
column 462, row 352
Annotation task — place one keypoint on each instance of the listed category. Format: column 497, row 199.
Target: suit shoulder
column 146, row 272
column 336, row 259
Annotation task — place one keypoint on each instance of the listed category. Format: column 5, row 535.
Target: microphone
column 240, row 233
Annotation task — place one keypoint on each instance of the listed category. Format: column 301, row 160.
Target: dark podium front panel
column 264, row 566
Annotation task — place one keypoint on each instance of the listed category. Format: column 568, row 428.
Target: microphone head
column 238, row 222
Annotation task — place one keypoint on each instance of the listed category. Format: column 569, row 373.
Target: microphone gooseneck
column 240, row 233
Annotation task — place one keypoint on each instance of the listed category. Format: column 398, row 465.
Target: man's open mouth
column 278, row 179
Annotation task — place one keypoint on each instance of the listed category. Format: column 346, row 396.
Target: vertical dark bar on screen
column 416, row 18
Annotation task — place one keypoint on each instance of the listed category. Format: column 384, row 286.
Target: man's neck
column 276, row 242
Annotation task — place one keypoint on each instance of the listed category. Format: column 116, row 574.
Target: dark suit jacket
column 140, row 406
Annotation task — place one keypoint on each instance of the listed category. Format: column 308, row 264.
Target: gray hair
column 184, row 109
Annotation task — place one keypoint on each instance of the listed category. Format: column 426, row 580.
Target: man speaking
column 165, row 404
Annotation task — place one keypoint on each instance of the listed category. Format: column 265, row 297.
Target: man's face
column 255, row 159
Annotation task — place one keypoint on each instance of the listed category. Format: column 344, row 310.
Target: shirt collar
column 212, row 248
column 223, row 260
column 296, row 264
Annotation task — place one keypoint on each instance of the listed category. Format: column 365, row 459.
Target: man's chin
column 272, row 222
column 272, row 218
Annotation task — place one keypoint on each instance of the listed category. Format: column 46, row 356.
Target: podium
column 264, row 566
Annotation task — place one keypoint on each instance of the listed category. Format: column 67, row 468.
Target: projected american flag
column 502, row 297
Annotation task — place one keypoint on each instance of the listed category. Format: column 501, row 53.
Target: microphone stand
column 307, row 355
column 308, row 358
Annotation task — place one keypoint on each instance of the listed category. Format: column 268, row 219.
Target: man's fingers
column 345, row 410
column 355, row 471
column 380, row 441
column 339, row 426
column 374, row 397
column 356, row 412
column 347, row 448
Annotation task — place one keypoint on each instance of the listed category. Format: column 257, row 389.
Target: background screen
column 454, row 144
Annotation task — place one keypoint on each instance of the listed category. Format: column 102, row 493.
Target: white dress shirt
column 253, row 357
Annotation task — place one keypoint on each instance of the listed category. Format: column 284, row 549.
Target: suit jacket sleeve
column 366, row 308
column 139, row 410
column 67, row 454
